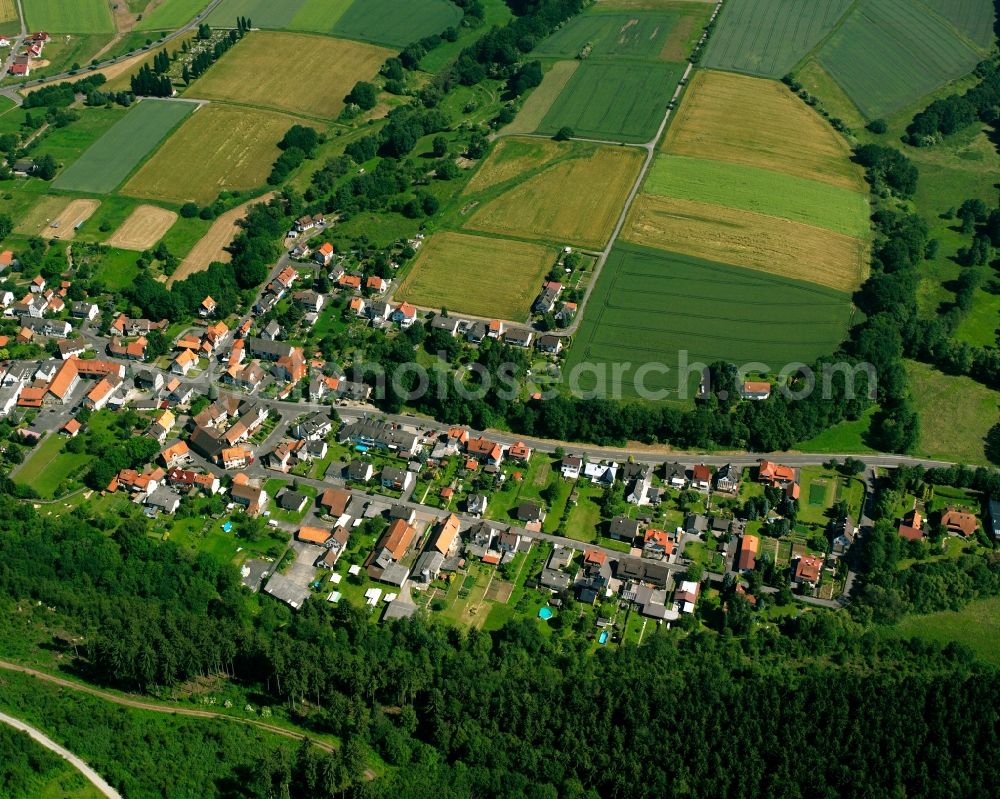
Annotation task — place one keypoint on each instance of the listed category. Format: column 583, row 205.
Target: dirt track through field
column 144, row 227
column 211, row 246
column 76, row 213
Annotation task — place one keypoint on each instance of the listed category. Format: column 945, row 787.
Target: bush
column 877, row 126
column 189, row 210
column 564, row 134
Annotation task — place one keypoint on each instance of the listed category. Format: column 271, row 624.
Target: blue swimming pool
column 227, row 527
column 361, row 448
column 545, row 614
column 603, row 637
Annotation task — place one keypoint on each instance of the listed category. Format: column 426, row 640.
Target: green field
column 108, row 161
column 393, row 23
column 651, row 306
column 762, row 191
column 890, row 53
column 767, row 37
column 614, row 101
column 619, row 35
column 171, row 14
column 262, row 13
column 974, row 18
column 319, row 15
column 60, row 16
column 955, row 414
column 48, row 465
column 69, row 143
column 977, row 626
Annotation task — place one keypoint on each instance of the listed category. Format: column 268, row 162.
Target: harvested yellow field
column 744, row 238
column 64, row 223
column 7, row 11
column 540, row 100
column 513, row 157
column 742, row 120
column 211, row 247
column 218, row 148
column 293, row 72
column 494, row 278
column 576, row 201
column 145, row 226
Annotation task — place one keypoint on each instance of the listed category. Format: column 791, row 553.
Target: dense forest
column 512, row 713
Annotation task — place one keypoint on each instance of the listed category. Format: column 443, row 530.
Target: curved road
column 12, row 92
column 158, row 708
column 95, row 778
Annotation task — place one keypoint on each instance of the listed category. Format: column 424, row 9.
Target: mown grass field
column 656, row 307
column 217, row 148
column 976, row 626
column 109, row 160
column 395, row 24
column 8, row 11
column 775, row 130
column 762, row 191
column 171, row 14
column 541, row 99
column 955, row 414
column 767, row 37
column 639, row 34
column 477, row 275
column 614, row 101
column 60, row 16
column 974, row 18
column 575, row 201
column 890, row 53
column 748, row 239
column 333, row 67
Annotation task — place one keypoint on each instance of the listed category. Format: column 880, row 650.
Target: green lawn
column 843, row 438
column 48, row 465
column 762, row 191
column 112, row 157
column 118, row 269
column 977, row 626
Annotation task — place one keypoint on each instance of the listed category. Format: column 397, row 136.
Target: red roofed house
column 656, row 544
column 485, row 450
column 376, row 284
column 519, row 451
column 352, row 282
column 960, row 522
column 747, row 559
column 405, row 314
column 208, row 306
column 701, row 477
column 806, row 570
column 774, row 474
column 755, row 390
column 324, row 254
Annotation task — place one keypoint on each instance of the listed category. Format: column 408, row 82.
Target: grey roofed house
column 530, row 512
column 634, row 471
column 206, row 442
column 271, row 331
column 645, row 571
column 476, row 332
column 560, row 557
column 383, row 435
column 392, row 477
column 428, row 566
column 448, row 324
column 394, row 574
column 164, row 499
column 292, row 501
column 398, row 511
column 475, row 504
column 268, row 350
column 720, row 525
column 623, row 528
column 148, row 379
column 554, row 579
column 519, row 337
column 315, row 426
column 360, row 471
column 549, row 343
column 675, row 474
column 995, row 517
column 695, row 523
column 398, row 610
column 728, row 478
column 289, row 592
